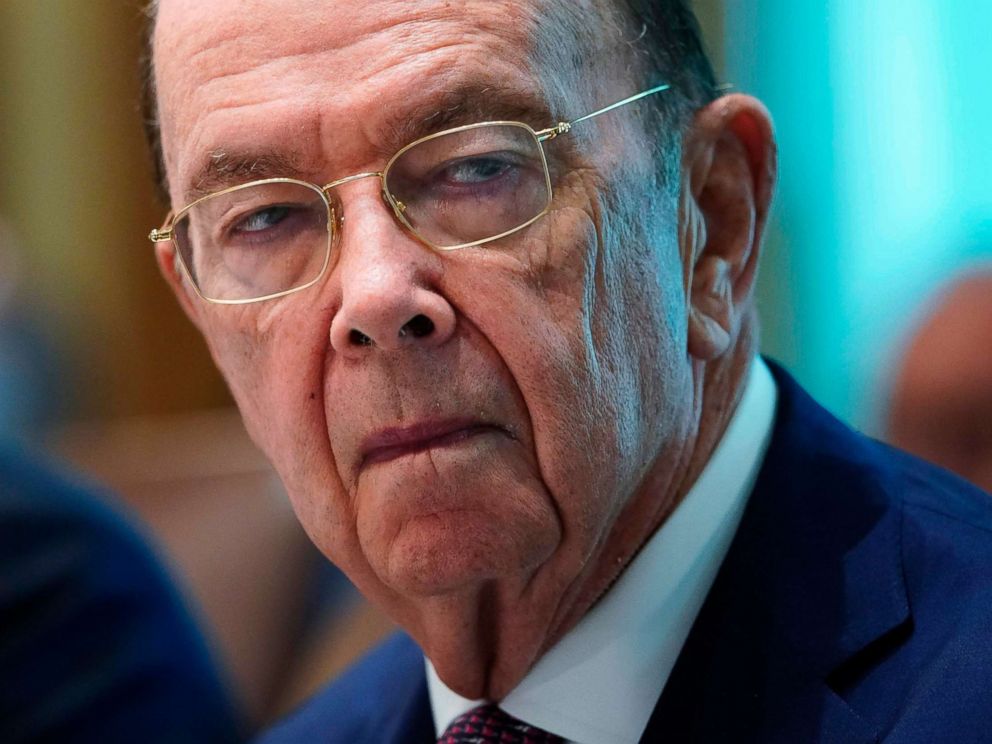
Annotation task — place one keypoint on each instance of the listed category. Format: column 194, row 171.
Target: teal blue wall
column 884, row 117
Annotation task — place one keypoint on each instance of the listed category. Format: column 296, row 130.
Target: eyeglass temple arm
column 564, row 127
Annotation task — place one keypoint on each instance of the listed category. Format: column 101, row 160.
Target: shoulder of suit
column 946, row 532
column 933, row 499
column 344, row 710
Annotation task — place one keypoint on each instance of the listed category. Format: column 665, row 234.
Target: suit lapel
column 812, row 579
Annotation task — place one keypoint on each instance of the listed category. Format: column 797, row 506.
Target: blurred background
column 882, row 111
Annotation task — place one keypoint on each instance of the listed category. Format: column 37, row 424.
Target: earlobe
column 729, row 173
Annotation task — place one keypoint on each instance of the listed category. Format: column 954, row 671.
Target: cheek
column 273, row 360
column 245, row 357
column 271, row 355
column 581, row 324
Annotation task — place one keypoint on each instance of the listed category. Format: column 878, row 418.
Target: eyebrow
column 224, row 169
column 468, row 103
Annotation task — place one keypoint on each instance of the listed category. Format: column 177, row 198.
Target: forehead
column 239, row 74
column 356, row 38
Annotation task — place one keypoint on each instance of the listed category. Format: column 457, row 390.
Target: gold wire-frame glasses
column 454, row 189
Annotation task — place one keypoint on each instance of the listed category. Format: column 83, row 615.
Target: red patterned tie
column 488, row 724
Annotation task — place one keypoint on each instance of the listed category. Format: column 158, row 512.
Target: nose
column 388, row 284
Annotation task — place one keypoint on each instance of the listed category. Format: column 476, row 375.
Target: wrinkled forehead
column 370, row 32
column 355, row 59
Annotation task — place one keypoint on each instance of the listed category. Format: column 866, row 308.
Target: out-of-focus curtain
column 885, row 175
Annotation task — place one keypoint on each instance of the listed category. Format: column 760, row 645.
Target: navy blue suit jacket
column 95, row 642
column 854, row 605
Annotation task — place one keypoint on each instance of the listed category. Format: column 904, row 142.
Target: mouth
column 393, row 443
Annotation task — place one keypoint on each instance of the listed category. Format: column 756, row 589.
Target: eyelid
column 446, row 165
column 290, row 208
column 256, row 215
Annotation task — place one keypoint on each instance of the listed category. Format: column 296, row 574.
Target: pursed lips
column 391, row 443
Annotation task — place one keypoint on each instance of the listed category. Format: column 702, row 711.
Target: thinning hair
column 663, row 37
column 670, row 40
column 669, row 43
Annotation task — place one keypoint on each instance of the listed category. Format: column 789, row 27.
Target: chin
column 461, row 550
column 456, row 517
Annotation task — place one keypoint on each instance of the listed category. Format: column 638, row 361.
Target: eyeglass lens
column 255, row 241
column 468, row 186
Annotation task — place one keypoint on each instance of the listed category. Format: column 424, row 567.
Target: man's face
column 499, row 449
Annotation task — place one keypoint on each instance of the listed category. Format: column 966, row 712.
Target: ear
column 168, row 264
column 728, row 172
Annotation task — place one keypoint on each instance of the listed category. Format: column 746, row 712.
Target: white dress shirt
column 600, row 683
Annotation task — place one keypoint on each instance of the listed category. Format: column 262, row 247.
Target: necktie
column 488, row 724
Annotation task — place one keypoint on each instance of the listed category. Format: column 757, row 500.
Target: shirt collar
column 600, row 683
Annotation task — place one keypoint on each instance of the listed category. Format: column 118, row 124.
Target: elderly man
column 480, row 278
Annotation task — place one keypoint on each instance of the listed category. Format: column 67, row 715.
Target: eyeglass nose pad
column 336, row 214
column 393, row 204
column 397, row 209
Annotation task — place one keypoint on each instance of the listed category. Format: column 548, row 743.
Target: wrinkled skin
column 594, row 357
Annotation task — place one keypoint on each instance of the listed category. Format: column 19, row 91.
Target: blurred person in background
column 29, row 377
column 480, row 278
column 96, row 644
column 941, row 402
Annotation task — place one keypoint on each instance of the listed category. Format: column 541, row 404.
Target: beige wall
column 75, row 186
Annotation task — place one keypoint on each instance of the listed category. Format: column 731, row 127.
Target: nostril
column 418, row 326
column 357, row 338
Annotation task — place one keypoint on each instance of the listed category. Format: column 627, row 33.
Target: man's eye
column 262, row 219
column 473, row 171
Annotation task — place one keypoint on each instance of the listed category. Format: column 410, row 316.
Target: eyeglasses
column 455, row 189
